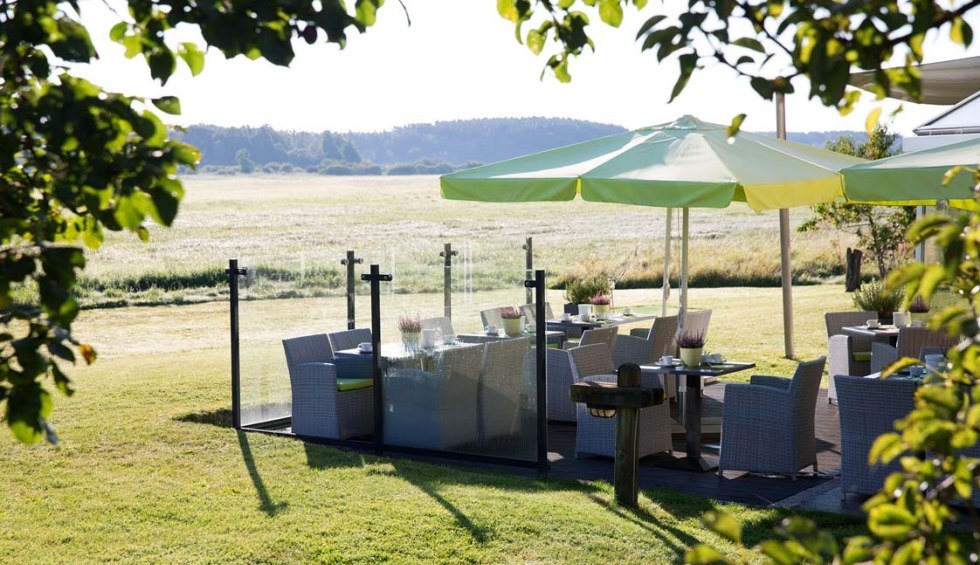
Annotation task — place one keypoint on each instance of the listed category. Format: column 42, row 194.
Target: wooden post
column 528, row 268
column 852, row 275
column 627, row 441
column 349, row 262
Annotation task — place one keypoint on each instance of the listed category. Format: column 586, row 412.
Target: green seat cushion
column 862, row 356
column 354, row 384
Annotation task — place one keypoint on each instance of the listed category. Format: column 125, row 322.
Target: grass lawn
column 139, row 477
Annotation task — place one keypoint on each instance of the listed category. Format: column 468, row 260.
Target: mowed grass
column 148, row 470
column 302, row 225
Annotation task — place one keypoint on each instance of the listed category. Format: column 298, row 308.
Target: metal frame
column 349, row 262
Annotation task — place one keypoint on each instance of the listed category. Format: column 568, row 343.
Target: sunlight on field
column 302, row 223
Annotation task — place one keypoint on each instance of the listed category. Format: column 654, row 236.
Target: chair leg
column 794, row 476
column 815, row 469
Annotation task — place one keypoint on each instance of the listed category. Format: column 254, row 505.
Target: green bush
column 579, row 291
column 875, row 296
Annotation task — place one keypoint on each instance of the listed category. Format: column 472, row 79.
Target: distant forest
column 436, row 148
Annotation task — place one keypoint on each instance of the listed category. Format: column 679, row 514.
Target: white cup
column 428, row 337
column 491, row 329
column 916, row 370
column 936, row 362
column 626, row 310
column 714, row 358
column 872, row 323
column 584, row 311
column 364, row 347
column 667, row 360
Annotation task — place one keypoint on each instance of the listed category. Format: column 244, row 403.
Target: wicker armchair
column 910, row 343
column 501, row 385
column 491, row 317
column 442, row 323
column 435, row 410
column 320, row 407
column 598, row 335
column 659, row 341
column 348, row 339
column 868, row 408
column 597, row 436
column 848, row 355
column 768, row 426
column 529, row 312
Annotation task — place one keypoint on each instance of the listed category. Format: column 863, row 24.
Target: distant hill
column 484, row 140
column 414, row 149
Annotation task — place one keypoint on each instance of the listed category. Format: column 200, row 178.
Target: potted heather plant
column 691, row 345
column 512, row 321
column 411, row 329
column 600, row 305
column 919, row 311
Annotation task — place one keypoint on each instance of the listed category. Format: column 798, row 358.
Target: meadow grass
column 148, row 470
column 301, row 226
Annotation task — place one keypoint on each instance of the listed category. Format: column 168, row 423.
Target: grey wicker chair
column 435, row 410
column 767, row 426
column 320, row 408
column 501, row 385
column 560, row 406
column 598, row 335
column 491, row 317
column 847, row 354
column 442, row 323
column 348, row 339
column 658, row 342
column 910, row 343
column 597, row 436
column 868, row 408
column 529, row 312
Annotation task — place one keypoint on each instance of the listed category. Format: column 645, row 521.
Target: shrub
column 875, row 296
column 581, row 291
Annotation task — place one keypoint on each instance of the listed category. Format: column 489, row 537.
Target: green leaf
column 778, row 552
column 735, row 126
column 950, row 174
column 192, row 56
column 648, row 25
column 885, row 448
column 872, row 121
column 535, row 41
column 162, row 64
column 859, row 549
column 168, row 104
column 723, row 524
column 890, row 522
column 961, row 32
column 118, row 31
column 704, row 555
column 749, row 43
column 763, row 87
column 508, row 9
column 688, row 62
column 367, row 11
column 611, row 12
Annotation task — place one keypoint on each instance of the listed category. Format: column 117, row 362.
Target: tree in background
column 244, row 160
column 879, row 229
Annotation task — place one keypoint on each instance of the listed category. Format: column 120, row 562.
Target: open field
column 300, row 226
column 144, row 474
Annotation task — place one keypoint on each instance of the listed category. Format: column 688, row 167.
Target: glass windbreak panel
column 465, row 383
column 289, row 304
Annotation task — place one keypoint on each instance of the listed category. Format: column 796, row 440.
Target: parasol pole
column 784, row 254
column 666, row 288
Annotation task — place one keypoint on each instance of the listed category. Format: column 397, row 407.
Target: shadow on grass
column 265, row 501
column 220, row 417
column 649, row 523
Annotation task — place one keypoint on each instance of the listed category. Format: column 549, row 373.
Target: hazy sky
column 459, row 60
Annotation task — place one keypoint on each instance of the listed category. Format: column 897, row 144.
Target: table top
column 484, row 336
column 613, row 320
column 890, row 331
column 398, row 351
column 704, row 370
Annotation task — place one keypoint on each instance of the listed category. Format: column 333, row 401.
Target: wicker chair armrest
column 757, row 401
column 779, row 383
column 319, row 374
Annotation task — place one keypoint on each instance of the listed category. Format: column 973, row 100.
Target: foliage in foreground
column 76, row 160
column 911, row 519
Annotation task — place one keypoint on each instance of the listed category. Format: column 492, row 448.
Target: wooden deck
column 738, row 487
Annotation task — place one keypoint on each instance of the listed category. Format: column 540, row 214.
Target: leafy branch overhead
column 76, row 160
column 768, row 42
